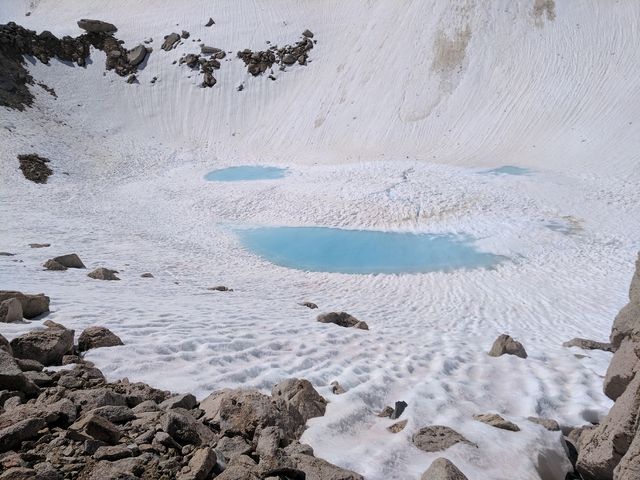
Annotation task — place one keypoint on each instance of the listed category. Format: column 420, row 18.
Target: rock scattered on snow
column 586, row 344
column 398, row 426
column 39, row 245
column 342, row 319
column 35, row 168
column 220, row 288
column 96, row 26
column 103, row 273
column 435, row 438
column 547, row 423
column 300, row 394
column 97, row 337
column 147, row 275
column 259, row 62
column 497, row 421
column 336, row 388
column 137, row 55
column 504, row 344
column 443, row 469
column 398, row 410
column 170, row 41
column 210, row 22
column 70, row 260
column 310, row 305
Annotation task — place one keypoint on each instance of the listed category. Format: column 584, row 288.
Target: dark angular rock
column 97, row 337
column 96, row 26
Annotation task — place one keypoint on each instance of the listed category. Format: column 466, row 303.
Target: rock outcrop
column 611, row 450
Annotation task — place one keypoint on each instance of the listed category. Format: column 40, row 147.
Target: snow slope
column 404, row 103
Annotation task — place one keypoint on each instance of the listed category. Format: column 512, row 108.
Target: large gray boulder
column 243, row 411
column 12, row 377
column 10, row 311
column 97, row 337
column 504, row 344
column 435, row 438
column 96, row 26
column 443, row 469
column 601, row 449
column 70, row 260
column 45, row 346
column 137, row 55
column 623, row 367
column 342, row 319
column 300, row 394
column 33, row 305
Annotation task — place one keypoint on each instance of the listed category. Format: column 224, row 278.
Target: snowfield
column 390, row 127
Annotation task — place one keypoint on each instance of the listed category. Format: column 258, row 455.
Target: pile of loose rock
column 611, row 450
column 72, row 423
column 17, row 41
column 205, row 65
column 259, row 62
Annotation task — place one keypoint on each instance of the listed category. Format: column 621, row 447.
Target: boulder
column 497, row 421
column 623, row 367
column 10, row 311
column 96, row 26
column 45, row 346
column 310, row 305
column 181, row 426
column 124, row 469
column 336, row 388
column 29, row 365
column 210, row 22
column 147, row 275
column 307, row 467
column 398, row 426
column 39, row 245
column 35, row 168
column 307, row 33
column 343, row 319
column 5, row 345
column 97, row 427
column 601, row 449
column 13, row 435
column 114, row 413
column 33, row 305
column 220, row 288
column 443, row 469
column 288, row 59
column 504, row 344
column 137, row 55
column 242, row 411
column 112, row 453
column 12, row 377
column 102, row 273
column 97, row 337
column 241, row 467
column 435, row 438
column 70, row 260
column 53, row 265
column 186, row 401
column 398, row 410
column 59, row 413
column 547, row 423
column 200, row 465
column 300, row 394
column 91, row 399
column 586, row 344
column 228, row 448
column 627, row 322
column 170, row 41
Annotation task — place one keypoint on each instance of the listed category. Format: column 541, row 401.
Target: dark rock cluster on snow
column 17, row 41
column 258, row 62
column 206, row 63
column 35, row 168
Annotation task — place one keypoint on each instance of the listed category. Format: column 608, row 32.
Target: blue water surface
column 246, row 172
column 508, row 170
column 320, row 249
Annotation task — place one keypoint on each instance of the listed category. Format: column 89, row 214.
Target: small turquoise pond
column 247, row 172
column 320, row 249
column 508, row 170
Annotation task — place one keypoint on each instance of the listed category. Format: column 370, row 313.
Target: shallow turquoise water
column 320, row 249
column 508, row 170
column 246, row 172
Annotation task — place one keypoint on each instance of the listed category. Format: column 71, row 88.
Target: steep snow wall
column 533, row 82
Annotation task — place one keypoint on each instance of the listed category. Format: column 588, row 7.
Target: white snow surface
column 403, row 104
